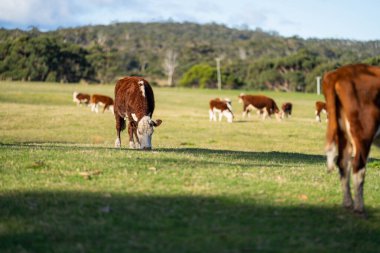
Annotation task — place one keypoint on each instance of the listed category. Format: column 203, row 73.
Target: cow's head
column 145, row 131
column 75, row 94
column 240, row 97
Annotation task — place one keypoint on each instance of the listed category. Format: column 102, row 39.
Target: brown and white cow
column 352, row 97
column 101, row 100
column 81, row 98
column 221, row 106
column 134, row 100
column 319, row 108
column 286, row 109
column 265, row 105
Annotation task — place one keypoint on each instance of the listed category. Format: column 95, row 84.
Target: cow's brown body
column 97, row 99
column 352, row 97
column 286, row 109
column 134, row 100
column 319, row 108
column 261, row 103
column 223, row 107
column 81, row 98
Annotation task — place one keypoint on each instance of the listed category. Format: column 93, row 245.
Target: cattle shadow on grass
column 103, row 222
column 273, row 156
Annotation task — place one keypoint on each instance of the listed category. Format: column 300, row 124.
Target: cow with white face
column 223, row 107
column 81, row 98
column 134, row 101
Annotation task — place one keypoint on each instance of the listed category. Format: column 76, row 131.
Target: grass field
column 249, row 186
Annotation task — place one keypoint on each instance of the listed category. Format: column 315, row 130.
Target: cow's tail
column 332, row 137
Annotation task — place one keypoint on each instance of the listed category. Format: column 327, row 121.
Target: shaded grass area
column 64, row 221
column 174, row 200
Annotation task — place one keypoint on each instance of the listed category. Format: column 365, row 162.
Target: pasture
column 249, row 186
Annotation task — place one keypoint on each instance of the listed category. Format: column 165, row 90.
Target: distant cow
column 286, row 110
column 134, row 100
column 101, row 100
column 223, row 107
column 319, row 108
column 352, row 97
column 265, row 105
column 81, row 98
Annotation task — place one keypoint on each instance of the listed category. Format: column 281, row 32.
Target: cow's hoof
column 117, row 143
column 361, row 214
column 348, row 204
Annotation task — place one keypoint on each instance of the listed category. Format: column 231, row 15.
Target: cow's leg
column 317, row 116
column 344, row 164
column 359, row 170
column 211, row 114
column 137, row 141
column 245, row 111
column 220, row 115
column 214, row 115
column 120, row 125
column 97, row 108
column 265, row 112
column 130, row 133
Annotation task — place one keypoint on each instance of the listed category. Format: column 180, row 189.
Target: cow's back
column 218, row 104
column 134, row 95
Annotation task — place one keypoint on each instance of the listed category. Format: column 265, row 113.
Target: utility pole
column 318, row 85
column 218, row 59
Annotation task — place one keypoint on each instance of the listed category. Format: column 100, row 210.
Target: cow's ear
column 157, row 123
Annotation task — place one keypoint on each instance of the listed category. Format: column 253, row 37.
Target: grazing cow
column 102, row 100
column 320, row 107
column 134, row 100
column 81, row 98
column 352, row 96
column 286, row 110
column 223, row 107
column 263, row 104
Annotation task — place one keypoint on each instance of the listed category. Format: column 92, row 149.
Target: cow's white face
column 145, row 131
column 228, row 114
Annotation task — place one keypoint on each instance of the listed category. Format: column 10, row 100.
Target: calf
column 320, row 107
column 286, row 110
column 134, row 100
column 81, row 98
column 352, row 95
column 102, row 100
column 265, row 105
column 223, row 107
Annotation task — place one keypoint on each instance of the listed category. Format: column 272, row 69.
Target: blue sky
column 343, row 19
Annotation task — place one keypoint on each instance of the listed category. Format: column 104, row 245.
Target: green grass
column 248, row 186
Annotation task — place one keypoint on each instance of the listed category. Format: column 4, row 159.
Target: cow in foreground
column 319, row 108
column 81, row 98
column 352, row 97
column 286, row 110
column 223, row 107
column 101, row 100
column 134, row 100
column 265, row 105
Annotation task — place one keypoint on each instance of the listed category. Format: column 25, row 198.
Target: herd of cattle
column 352, row 95
column 264, row 106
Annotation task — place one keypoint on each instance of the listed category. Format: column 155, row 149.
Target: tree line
column 177, row 54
